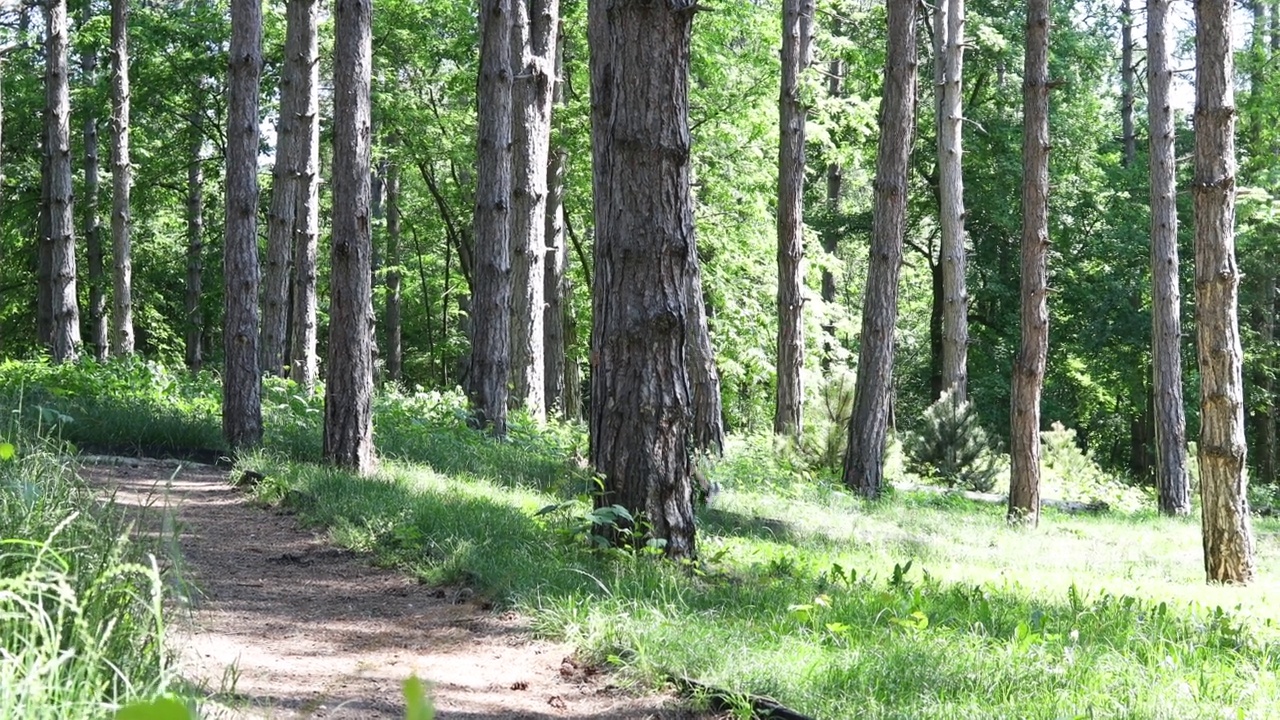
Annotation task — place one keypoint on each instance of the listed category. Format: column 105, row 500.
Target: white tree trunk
column 122, row 338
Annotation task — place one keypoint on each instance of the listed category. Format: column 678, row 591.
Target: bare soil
column 280, row 624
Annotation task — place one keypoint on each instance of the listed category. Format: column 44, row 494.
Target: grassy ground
column 919, row 606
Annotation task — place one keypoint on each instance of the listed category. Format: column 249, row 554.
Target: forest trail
column 282, row 625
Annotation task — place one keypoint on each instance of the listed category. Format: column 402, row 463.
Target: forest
column 759, row 347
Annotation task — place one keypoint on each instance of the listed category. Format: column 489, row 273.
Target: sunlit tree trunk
column 306, row 217
column 797, row 34
column 949, row 17
column 241, row 381
column 44, row 237
column 869, row 425
column 194, row 326
column 1228, row 537
column 556, row 279
column 1029, row 365
column 99, row 340
column 644, row 252
column 491, row 303
column 1166, row 314
column 122, row 337
column 831, row 237
column 66, row 310
column 348, row 397
column 395, row 350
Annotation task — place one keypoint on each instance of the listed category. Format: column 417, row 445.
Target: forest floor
column 280, row 624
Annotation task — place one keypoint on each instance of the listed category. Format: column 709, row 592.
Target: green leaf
column 417, row 703
column 7, row 451
column 165, row 708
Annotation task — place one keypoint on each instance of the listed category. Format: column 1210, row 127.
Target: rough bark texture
column 869, row 424
column 1029, row 365
column 289, row 171
column 395, row 348
column 1166, row 313
column 1128, row 138
column 99, row 339
column 122, row 337
column 241, row 381
column 949, row 17
column 65, row 310
column 303, row 361
column 348, row 409
column 491, row 302
column 704, row 377
column 533, row 45
column 797, row 35
column 644, row 252
column 195, row 249
column 556, row 286
column 1228, row 537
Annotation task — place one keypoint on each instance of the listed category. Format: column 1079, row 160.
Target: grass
column 918, row 606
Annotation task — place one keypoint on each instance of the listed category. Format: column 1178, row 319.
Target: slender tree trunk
column 241, row 380
column 491, row 304
column 533, row 47
column 44, row 235
column 1129, row 138
column 1228, row 537
column 122, row 339
column 1269, row 441
column 797, row 34
column 306, row 218
column 644, row 253
column 195, row 248
column 348, row 408
column 395, row 351
column 66, row 311
column 98, row 337
column 1166, row 313
column 1029, row 366
column 949, row 35
column 869, row 425
column 831, row 237
column 556, row 279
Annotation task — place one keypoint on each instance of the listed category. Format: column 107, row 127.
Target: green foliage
column 951, row 447
column 1070, row 474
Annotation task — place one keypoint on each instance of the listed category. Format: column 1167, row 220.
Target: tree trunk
column 122, row 338
column 1029, row 366
column 1228, row 538
column 195, row 249
column 241, row 380
column 949, row 36
column 797, row 34
column 66, row 311
column 395, row 351
column 491, row 304
column 644, row 253
column 556, row 279
column 44, row 237
column 98, row 337
column 831, row 237
column 533, row 45
column 348, row 397
column 1166, row 315
column 306, row 207
column 1129, row 138
column 288, row 172
column 869, row 425
column 704, row 377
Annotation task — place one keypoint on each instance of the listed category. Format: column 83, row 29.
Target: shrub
column 951, row 447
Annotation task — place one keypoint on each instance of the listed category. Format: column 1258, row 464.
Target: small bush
column 951, row 447
column 1070, row 474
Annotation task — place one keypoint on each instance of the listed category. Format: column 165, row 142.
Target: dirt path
column 282, row 625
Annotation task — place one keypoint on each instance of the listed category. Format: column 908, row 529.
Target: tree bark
column 1228, row 537
column 949, row 20
column 869, row 424
column 704, row 377
column 1172, row 480
column 556, row 286
column 1129, row 138
column 348, row 409
column 831, row 238
column 195, row 248
column 241, row 380
column 1029, row 366
column 797, row 35
column 98, row 336
column 644, row 253
column 395, row 349
column 66, row 311
column 122, row 337
column 303, row 359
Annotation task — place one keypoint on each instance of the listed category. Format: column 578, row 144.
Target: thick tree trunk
column 1228, row 537
column 644, row 253
column 491, row 303
column 556, row 285
column 533, row 47
column 348, row 397
column 869, row 425
column 99, row 339
column 1128, row 137
column 395, row 350
column 797, row 35
column 195, row 249
column 949, row 38
column 122, row 338
column 66, row 310
column 1166, row 313
column 303, row 359
column 1029, row 366
column 241, row 381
